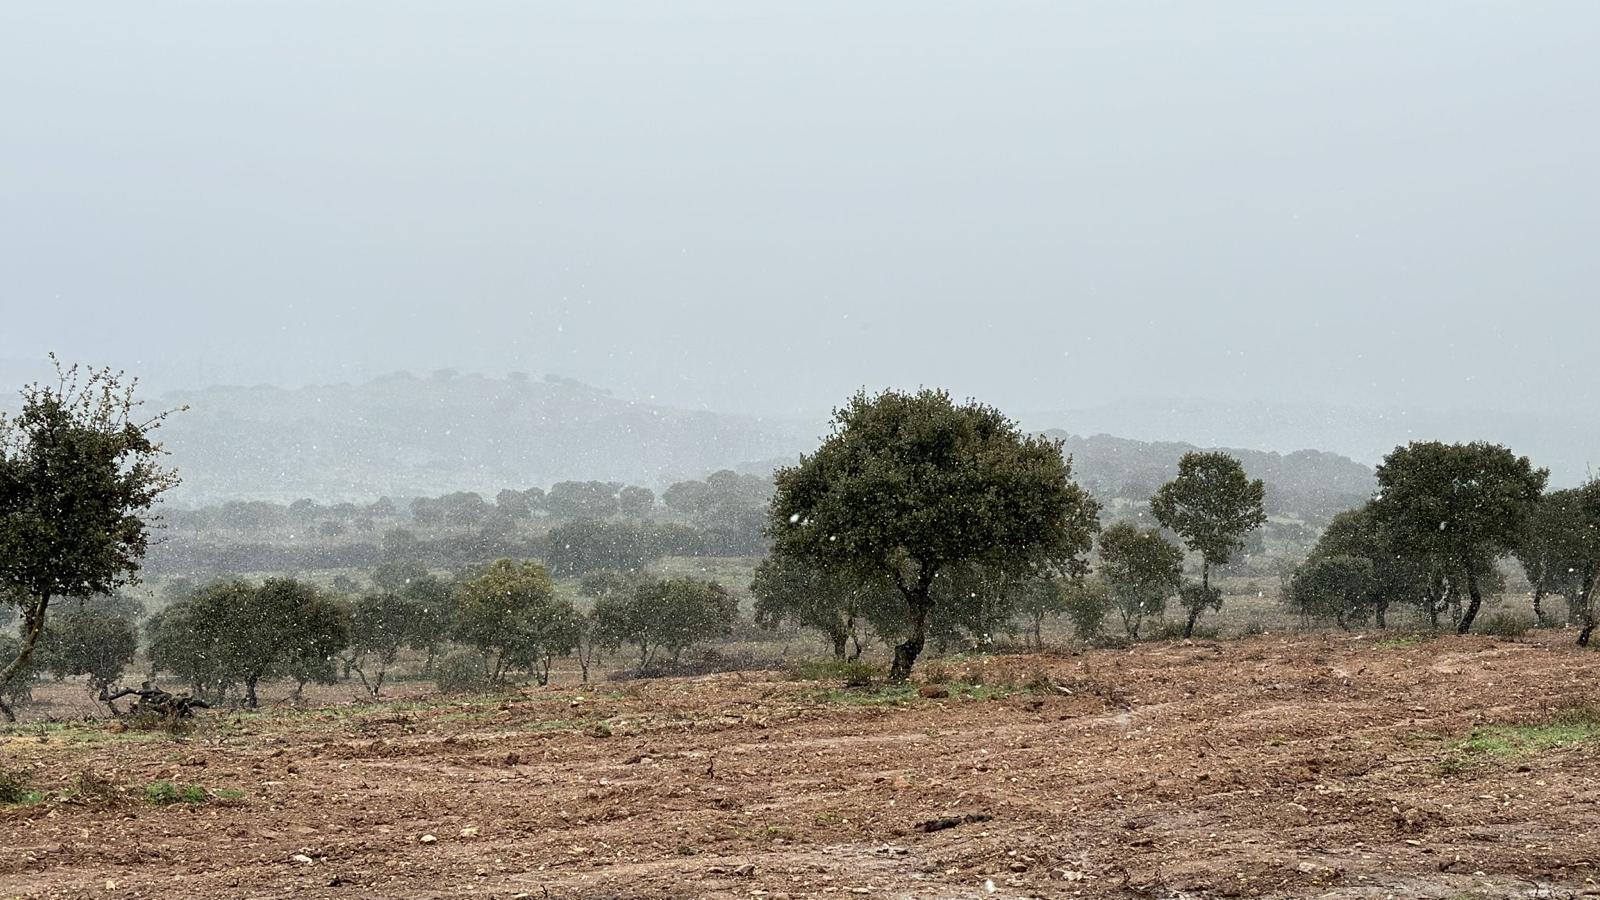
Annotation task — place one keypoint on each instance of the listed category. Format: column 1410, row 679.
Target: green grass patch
column 166, row 793
column 826, row 668
column 892, row 695
column 1570, row 727
column 1400, row 641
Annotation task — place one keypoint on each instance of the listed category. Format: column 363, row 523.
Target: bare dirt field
column 1307, row 766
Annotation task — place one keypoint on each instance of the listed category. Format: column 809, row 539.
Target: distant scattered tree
column 381, row 625
column 1039, row 598
column 233, row 635
column 1560, row 548
column 974, row 603
column 1212, row 505
column 1142, row 571
column 400, row 544
column 511, row 614
column 909, row 484
column 463, row 509
column 1086, row 602
column 588, row 545
column 665, row 615
column 514, row 504
column 427, row 511
column 94, row 637
column 1464, row 503
column 636, row 502
column 582, row 500
column 1343, row 589
column 847, row 612
column 79, row 471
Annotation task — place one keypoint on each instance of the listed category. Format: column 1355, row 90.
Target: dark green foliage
column 94, row 637
column 582, row 499
column 231, row 635
column 1560, row 549
column 19, row 689
column 14, row 788
column 511, row 615
column 1461, row 505
column 729, row 509
column 433, row 599
column 1039, row 598
column 665, row 615
column 381, row 625
column 589, row 545
column 1086, row 603
column 976, row 602
column 908, row 485
column 847, row 612
column 636, row 502
column 79, row 471
column 463, row 672
column 1212, row 505
column 1342, row 589
column 1142, row 571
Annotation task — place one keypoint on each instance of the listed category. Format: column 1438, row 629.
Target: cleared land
column 1320, row 765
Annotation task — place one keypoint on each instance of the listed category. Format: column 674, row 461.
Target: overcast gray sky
column 753, row 207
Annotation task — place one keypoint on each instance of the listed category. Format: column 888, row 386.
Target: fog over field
column 1252, row 225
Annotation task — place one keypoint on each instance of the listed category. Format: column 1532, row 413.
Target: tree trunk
column 1205, row 586
column 918, row 602
column 1473, row 605
column 1380, row 611
column 840, row 639
column 32, row 627
column 1588, row 612
column 250, row 692
column 1538, row 605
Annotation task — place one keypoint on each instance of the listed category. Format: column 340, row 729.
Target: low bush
column 165, row 793
column 1506, row 625
column 462, row 672
column 14, row 788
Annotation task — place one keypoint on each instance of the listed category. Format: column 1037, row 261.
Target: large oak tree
column 910, row 485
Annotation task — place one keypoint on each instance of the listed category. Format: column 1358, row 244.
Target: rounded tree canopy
column 907, row 483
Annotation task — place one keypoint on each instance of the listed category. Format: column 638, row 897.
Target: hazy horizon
column 758, row 210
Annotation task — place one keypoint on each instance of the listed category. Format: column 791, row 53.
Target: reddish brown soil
column 1318, row 766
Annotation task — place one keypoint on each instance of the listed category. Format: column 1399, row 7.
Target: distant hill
column 1307, row 482
column 1568, row 445
column 406, row 435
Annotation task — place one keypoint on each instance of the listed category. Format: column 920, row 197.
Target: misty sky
column 756, row 208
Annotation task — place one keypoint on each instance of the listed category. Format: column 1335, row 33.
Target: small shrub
column 14, row 788
column 462, row 672
column 165, row 793
column 1253, row 628
column 936, row 673
column 91, row 789
column 1506, row 625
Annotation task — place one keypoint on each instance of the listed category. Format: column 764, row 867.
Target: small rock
column 302, row 859
column 745, row 871
column 471, row 831
column 933, row 691
column 427, row 839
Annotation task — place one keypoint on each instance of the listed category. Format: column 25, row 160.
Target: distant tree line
column 917, row 520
